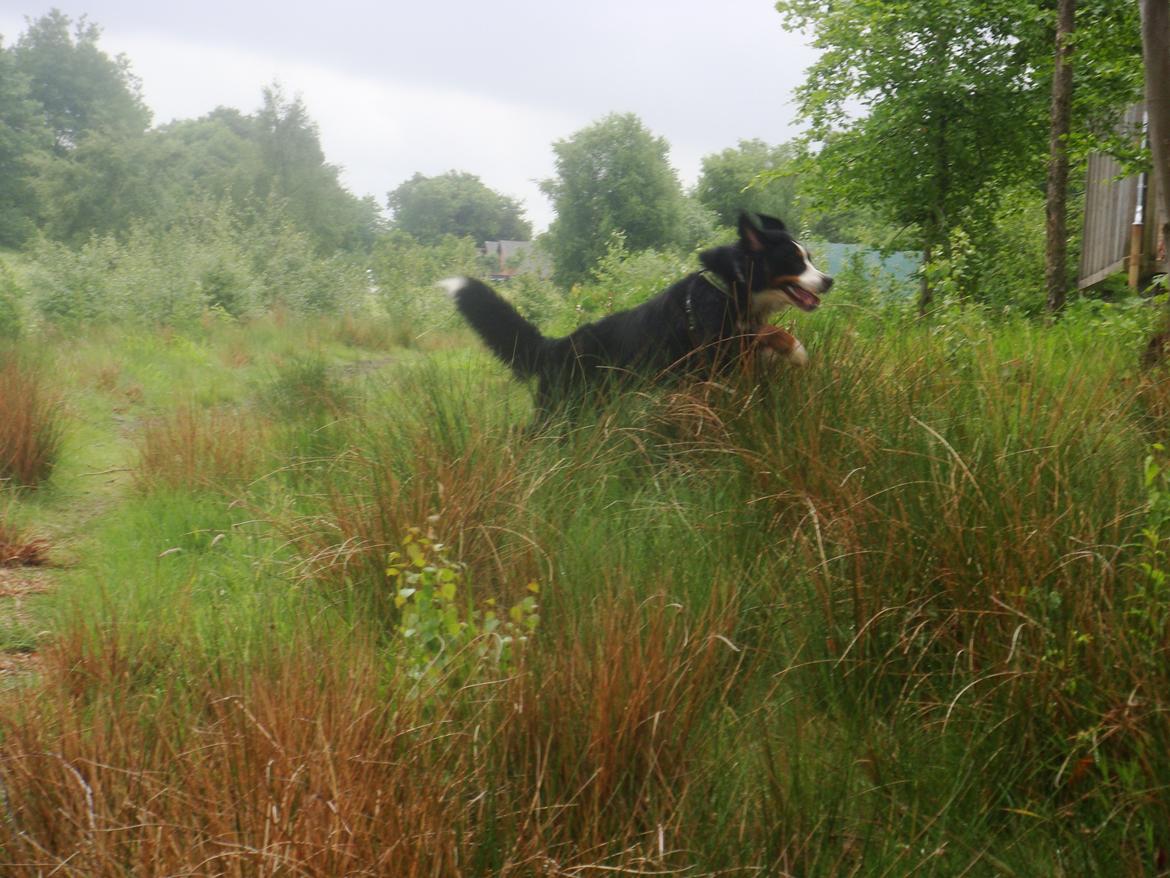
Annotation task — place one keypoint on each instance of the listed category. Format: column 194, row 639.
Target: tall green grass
column 902, row 612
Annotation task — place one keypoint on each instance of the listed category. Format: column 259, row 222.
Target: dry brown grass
column 202, row 448
column 474, row 500
column 17, row 548
column 315, row 763
column 604, row 729
column 30, row 423
column 301, row 769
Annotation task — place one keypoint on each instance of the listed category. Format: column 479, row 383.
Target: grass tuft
column 31, row 429
column 202, row 448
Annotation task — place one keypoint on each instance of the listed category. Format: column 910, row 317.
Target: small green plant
column 949, row 272
column 537, row 298
column 443, row 633
column 1149, row 605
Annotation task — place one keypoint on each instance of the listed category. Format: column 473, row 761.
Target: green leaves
column 456, row 203
column 612, row 177
column 80, row 89
column 442, row 634
column 751, row 176
column 77, row 160
column 929, row 113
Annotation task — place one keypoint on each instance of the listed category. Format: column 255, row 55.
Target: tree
column 92, row 110
column 948, row 116
column 456, row 203
column 1156, row 56
column 22, row 136
column 76, row 157
column 930, row 114
column 79, row 88
column 217, row 155
column 1055, row 254
column 98, row 188
column 1097, row 74
column 612, row 176
column 730, row 182
column 296, row 172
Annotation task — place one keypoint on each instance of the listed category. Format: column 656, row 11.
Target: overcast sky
column 403, row 87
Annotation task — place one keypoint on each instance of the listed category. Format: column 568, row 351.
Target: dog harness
column 714, row 280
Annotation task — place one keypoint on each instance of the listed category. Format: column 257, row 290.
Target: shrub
column 623, row 279
column 73, row 287
column 539, row 300
column 442, row 632
column 405, row 273
column 212, row 258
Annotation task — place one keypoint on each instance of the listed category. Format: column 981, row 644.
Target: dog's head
column 773, row 265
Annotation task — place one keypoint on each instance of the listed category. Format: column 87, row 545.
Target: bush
column 623, row 279
column 538, row 299
column 443, row 634
column 212, row 258
column 72, row 287
column 405, row 273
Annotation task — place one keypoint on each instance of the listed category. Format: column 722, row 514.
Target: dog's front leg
column 773, row 344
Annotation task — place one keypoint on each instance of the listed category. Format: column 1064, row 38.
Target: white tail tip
column 452, row 285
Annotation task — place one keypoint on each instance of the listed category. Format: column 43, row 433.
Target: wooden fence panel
column 1109, row 212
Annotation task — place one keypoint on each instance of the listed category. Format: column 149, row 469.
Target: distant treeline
column 948, row 162
column 78, row 158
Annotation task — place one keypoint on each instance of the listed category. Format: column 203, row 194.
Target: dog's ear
column 727, row 262
column 771, row 224
column 749, row 233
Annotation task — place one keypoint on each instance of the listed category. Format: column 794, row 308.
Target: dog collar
column 716, row 281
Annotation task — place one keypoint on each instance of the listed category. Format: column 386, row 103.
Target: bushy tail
column 508, row 335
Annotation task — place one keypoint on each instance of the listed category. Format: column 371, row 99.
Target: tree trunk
column 1056, row 201
column 1156, row 54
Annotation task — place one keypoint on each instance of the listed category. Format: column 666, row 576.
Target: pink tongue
column 805, row 297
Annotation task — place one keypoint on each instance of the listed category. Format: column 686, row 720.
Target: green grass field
column 322, row 606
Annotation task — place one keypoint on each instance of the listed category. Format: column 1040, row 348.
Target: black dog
column 698, row 326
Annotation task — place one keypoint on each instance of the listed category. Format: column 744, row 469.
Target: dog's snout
column 828, row 284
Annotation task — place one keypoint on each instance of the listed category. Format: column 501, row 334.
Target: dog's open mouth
column 802, row 298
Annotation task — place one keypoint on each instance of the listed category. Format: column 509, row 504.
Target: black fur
column 692, row 327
